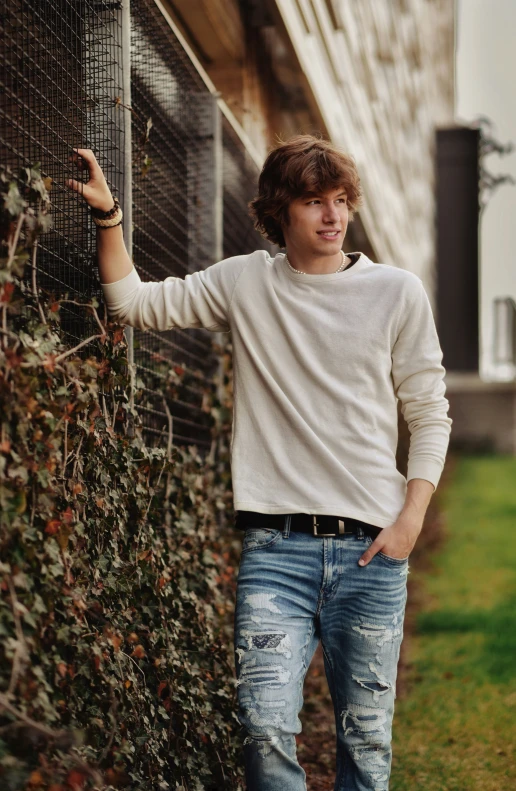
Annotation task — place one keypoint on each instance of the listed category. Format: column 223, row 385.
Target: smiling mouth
column 329, row 234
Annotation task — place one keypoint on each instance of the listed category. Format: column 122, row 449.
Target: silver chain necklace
column 299, row 272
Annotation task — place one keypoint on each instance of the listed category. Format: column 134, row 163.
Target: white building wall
column 486, row 66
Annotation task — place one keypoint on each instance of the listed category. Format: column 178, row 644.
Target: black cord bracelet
column 105, row 215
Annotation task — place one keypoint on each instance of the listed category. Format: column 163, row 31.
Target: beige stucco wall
column 382, row 72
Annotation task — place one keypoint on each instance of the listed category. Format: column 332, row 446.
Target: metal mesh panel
column 173, row 220
column 60, row 76
column 62, row 84
column 240, row 184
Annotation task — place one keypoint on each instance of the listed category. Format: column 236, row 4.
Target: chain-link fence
column 62, row 76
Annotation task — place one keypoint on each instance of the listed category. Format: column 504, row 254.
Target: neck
column 315, row 264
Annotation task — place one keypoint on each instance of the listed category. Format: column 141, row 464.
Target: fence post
column 127, row 177
column 218, row 228
column 218, row 164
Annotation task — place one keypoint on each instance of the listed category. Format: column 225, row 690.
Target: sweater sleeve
column 201, row 299
column 418, row 376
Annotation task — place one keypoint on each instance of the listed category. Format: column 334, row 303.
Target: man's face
column 318, row 223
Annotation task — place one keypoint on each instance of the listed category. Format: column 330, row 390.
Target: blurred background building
column 476, row 293
column 181, row 101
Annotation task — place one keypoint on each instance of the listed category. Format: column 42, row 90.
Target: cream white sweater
column 319, row 363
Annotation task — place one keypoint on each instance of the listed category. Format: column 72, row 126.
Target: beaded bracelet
column 105, row 215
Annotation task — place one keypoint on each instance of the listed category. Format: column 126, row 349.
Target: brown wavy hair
column 303, row 164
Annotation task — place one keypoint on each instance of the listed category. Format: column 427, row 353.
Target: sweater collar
column 362, row 262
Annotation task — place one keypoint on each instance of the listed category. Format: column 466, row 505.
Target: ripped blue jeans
column 293, row 590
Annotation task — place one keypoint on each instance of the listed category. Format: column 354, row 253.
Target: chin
column 329, row 248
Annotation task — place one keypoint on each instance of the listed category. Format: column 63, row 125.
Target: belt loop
column 286, row 528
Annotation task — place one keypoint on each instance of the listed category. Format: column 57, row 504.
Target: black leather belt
column 315, row 524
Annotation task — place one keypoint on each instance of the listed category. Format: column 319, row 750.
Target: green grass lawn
column 455, row 726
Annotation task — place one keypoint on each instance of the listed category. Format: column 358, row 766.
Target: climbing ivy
column 116, row 577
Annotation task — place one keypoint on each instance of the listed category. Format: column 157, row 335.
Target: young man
column 324, row 346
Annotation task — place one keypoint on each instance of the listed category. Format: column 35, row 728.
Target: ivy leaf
column 148, row 582
column 13, row 201
column 53, row 526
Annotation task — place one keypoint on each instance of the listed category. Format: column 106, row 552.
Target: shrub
column 114, row 576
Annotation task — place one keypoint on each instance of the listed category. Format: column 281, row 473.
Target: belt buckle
column 315, row 525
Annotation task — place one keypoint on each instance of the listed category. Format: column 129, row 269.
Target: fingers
column 77, row 186
column 85, row 159
column 370, row 552
column 84, row 153
column 95, row 191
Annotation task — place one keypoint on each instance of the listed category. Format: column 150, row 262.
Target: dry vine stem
column 12, row 241
column 21, row 652
column 21, row 717
column 64, row 355
column 85, row 305
column 35, row 283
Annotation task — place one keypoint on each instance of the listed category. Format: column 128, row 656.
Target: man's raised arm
column 201, row 299
column 113, row 259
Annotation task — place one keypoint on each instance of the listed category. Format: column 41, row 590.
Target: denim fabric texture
column 294, row 590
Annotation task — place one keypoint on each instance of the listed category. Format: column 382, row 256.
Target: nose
column 330, row 213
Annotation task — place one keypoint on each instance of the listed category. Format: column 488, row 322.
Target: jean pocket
column 388, row 558
column 259, row 538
